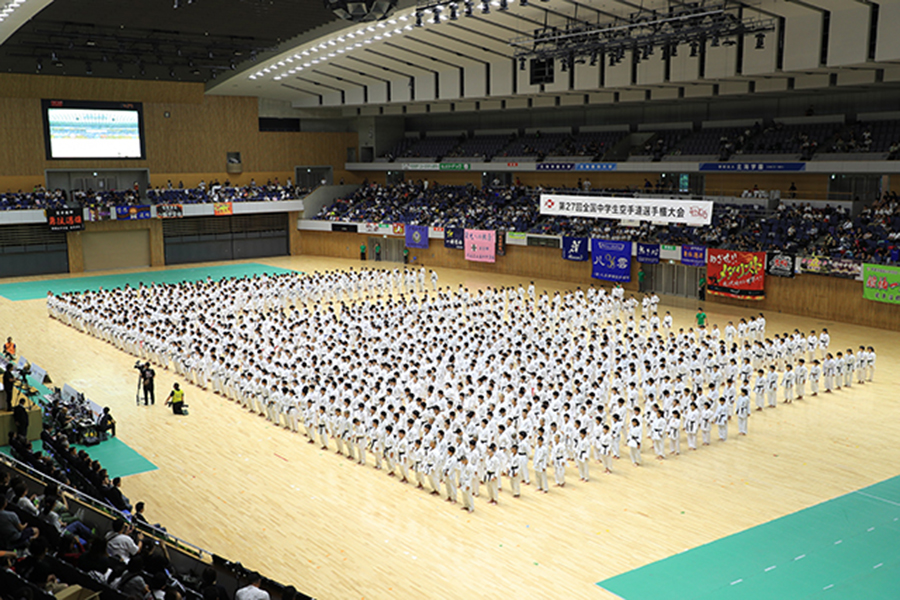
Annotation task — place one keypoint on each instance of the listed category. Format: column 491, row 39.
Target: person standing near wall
column 641, row 276
column 362, row 252
column 701, row 287
column 377, row 252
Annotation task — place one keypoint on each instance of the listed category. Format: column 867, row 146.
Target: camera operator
column 147, row 378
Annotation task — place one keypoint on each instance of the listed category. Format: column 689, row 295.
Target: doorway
column 311, row 177
column 391, row 248
column 674, row 279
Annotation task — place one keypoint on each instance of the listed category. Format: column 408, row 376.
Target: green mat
column 844, row 548
column 34, row 290
column 117, row 458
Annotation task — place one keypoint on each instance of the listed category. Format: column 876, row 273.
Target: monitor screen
column 93, row 130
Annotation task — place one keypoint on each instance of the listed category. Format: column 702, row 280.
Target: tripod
column 137, row 394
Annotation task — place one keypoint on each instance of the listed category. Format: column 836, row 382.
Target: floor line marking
column 877, row 498
column 838, row 542
column 828, row 587
column 770, row 568
column 799, row 557
column 736, row 581
column 878, row 565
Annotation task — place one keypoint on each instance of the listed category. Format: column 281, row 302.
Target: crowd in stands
column 804, row 229
column 770, row 137
column 45, row 549
column 872, row 236
column 37, row 198
column 40, row 198
column 49, row 546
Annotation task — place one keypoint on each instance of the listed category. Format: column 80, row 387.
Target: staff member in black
column 147, row 377
column 8, row 381
column 20, row 417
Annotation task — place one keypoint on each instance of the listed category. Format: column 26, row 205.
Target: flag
column 575, row 248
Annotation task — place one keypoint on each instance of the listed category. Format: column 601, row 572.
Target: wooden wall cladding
column 193, row 139
column 817, row 296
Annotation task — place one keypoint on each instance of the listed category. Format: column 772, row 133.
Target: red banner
column 221, row 209
column 736, row 274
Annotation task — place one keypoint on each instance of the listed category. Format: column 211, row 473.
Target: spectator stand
column 186, row 561
column 663, row 140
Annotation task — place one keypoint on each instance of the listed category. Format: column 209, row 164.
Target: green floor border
column 34, row 290
column 845, row 548
column 117, row 457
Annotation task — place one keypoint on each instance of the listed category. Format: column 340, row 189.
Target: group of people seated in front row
column 40, row 197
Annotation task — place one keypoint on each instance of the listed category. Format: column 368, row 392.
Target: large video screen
column 93, row 130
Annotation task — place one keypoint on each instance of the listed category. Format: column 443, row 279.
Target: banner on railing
column 693, row 256
column 64, row 219
column 575, row 248
column 679, row 212
column 132, row 213
column 417, row 236
column 481, row 245
column 836, row 267
column 780, row 264
column 169, row 211
column 648, row 253
column 222, row 209
column 454, row 238
column 736, row 274
column 881, row 283
column 611, row 261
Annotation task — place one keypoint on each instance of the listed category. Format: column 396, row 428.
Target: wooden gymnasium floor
column 232, row 483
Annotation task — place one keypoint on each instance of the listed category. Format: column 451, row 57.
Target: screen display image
column 83, row 131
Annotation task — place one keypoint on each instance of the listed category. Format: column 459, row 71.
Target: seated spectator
column 211, row 588
column 96, row 559
column 36, row 569
column 116, row 497
column 13, row 533
column 131, row 582
column 251, row 591
column 120, row 545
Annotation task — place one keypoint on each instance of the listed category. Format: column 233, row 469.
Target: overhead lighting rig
column 693, row 24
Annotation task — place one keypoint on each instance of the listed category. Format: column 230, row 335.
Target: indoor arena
column 439, row 299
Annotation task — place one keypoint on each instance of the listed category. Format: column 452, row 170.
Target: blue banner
column 454, row 238
column 757, row 167
column 575, row 248
column 592, row 166
column 693, row 256
column 555, row 166
column 127, row 213
column 611, row 261
column 648, row 253
column 417, row 236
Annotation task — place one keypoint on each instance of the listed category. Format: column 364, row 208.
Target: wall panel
column 104, row 250
column 193, row 139
column 828, row 298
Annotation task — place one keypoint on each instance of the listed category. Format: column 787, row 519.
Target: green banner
column 455, row 167
column 669, row 248
column 881, row 283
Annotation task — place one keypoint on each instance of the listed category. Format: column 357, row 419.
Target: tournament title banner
column 695, row 213
column 736, row 274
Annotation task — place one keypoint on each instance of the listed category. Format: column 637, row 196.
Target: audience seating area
column 664, row 143
column 768, row 138
column 81, row 532
column 802, row 229
column 203, row 194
